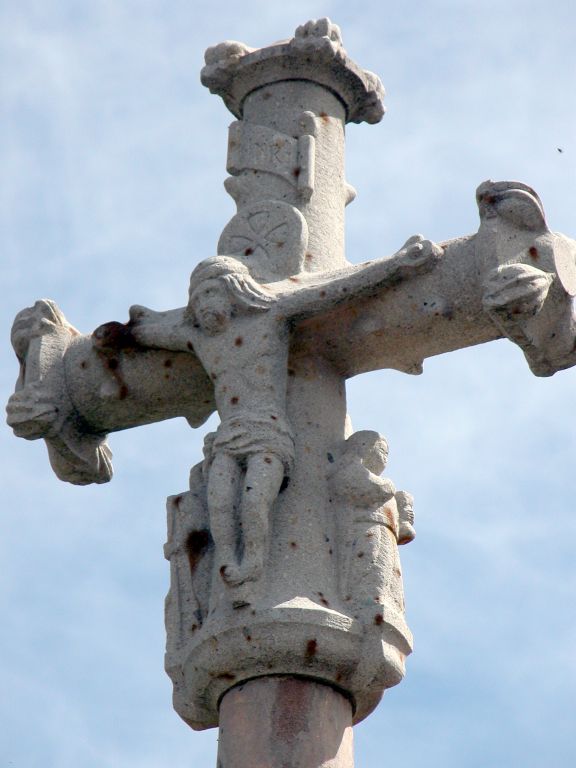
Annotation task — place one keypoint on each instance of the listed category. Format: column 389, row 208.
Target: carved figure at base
column 239, row 330
column 373, row 518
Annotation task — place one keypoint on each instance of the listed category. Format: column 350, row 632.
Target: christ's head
column 211, row 305
column 221, row 286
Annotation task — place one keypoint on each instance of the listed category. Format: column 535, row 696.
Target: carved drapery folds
column 365, row 600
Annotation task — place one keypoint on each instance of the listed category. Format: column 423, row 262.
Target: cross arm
column 514, row 278
column 74, row 389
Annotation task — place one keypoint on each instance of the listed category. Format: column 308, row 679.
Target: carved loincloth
column 262, row 431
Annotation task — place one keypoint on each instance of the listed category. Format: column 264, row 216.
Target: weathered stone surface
column 315, row 53
column 283, row 552
column 352, row 635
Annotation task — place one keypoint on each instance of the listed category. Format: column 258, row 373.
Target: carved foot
column 234, row 574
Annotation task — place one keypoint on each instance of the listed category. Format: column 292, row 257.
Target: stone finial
column 315, row 53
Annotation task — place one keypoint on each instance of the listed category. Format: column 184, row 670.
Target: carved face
column 211, row 305
column 376, row 458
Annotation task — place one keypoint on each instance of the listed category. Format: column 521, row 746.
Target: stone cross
column 285, row 616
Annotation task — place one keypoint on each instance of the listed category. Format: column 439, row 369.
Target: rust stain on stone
column 226, row 676
column 311, row 648
column 196, row 545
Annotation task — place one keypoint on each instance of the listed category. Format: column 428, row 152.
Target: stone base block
column 297, row 638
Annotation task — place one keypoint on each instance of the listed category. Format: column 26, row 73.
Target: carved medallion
column 269, row 237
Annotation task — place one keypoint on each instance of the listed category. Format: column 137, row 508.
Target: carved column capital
column 315, row 53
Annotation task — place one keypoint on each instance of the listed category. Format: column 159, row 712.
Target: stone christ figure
column 239, row 330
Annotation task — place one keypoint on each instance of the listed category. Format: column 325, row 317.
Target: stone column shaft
column 284, row 722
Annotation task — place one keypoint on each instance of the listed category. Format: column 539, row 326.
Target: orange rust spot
column 378, row 619
column 533, row 251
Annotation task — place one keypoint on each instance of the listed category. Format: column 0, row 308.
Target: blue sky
column 112, row 159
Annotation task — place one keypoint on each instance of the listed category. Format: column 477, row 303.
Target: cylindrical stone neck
column 280, row 106
column 285, row 721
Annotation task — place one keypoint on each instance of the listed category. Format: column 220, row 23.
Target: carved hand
column 31, row 412
column 516, row 289
column 417, row 255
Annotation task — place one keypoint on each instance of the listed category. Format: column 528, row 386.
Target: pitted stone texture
column 256, row 546
column 345, row 627
column 74, row 389
column 269, row 237
column 315, row 53
column 41, row 406
column 279, row 722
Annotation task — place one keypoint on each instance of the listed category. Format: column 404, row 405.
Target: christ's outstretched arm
column 161, row 330
column 414, row 258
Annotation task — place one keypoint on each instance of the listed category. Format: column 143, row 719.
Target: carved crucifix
column 283, row 551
